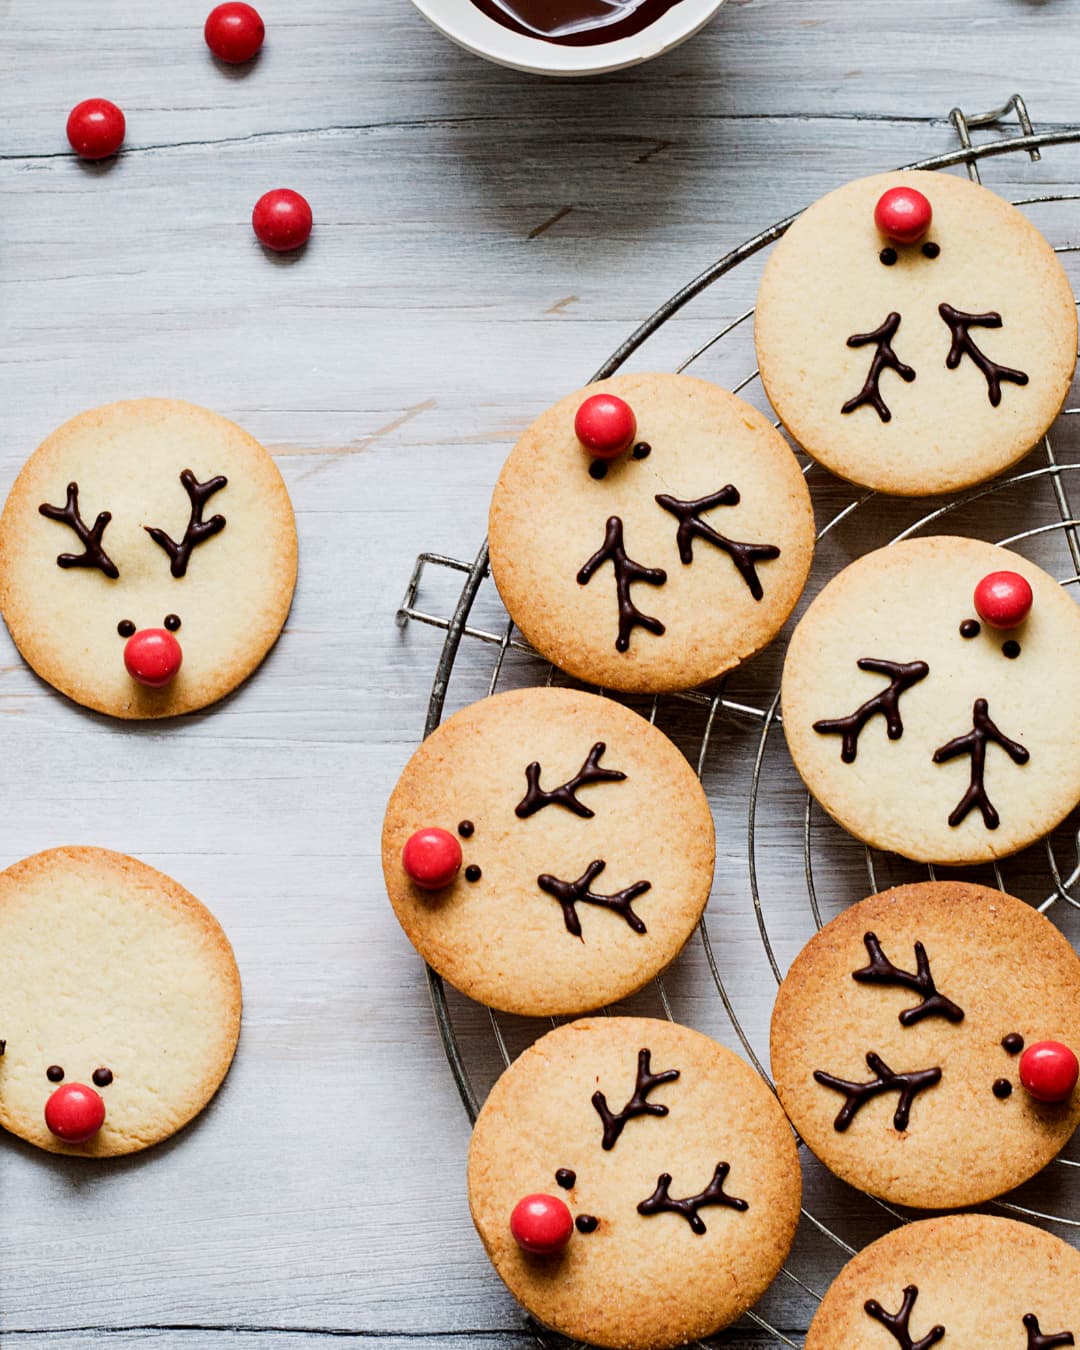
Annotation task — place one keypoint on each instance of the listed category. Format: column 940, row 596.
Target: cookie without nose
column 825, row 283
column 502, row 938
column 105, row 962
column 549, row 516
column 127, row 460
column 975, row 1275
column 636, row 1281
column 906, row 604
column 1005, row 967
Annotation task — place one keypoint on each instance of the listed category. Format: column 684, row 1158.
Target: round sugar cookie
column 662, row 568
column 922, row 729
column 116, row 981
column 940, row 985
column 923, row 367
column 149, row 517
column 586, row 851
column 964, row 1280
column 674, row 1159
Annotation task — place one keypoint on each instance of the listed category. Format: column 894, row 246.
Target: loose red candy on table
column 431, row 858
column 1049, row 1071
column 281, row 219
column 605, row 425
column 152, row 657
column 95, row 128
column 903, row 214
column 1003, row 599
column 541, row 1224
column 234, row 32
column 74, row 1113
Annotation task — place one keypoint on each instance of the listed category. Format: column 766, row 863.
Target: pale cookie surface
column 826, row 284
column 946, row 1027
column 968, row 1281
column 631, row 824
column 110, row 970
column 668, row 1275
column 564, row 543
column 999, row 709
column 126, row 459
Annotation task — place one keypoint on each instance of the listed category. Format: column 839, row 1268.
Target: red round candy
column 903, row 214
column 431, row 858
column 152, row 657
column 541, row 1224
column 605, row 425
column 234, row 32
column 1049, row 1071
column 281, row 219
column 95, row 128
column 1003, row 599
column 74, row 1113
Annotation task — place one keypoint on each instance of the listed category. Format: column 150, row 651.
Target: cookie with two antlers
column 147, row 558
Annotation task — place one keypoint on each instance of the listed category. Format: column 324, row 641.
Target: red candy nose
column 1003, row 599
column 903, row 214
column 431, row 858
column 605, row 425
column 153, row 657
column 74, row 1113
column 541, row 1224
column 1049, row 1071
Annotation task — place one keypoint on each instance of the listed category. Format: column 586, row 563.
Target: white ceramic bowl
column 463, row 23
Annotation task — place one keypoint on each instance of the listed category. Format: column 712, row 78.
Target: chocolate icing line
column 902, row 675
column 884, row 359
column 745, row 556
column 909, row 1085
column 964, row 345
column 661, row 1202
column 572, row 893
column 983, row 733
column 89, row 536
column 645, row 1082
column 898, row 1323
column 882, row 971
column 627, row 571
column 536, row 798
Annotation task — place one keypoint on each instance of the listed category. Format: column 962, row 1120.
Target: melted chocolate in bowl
column 575, row 23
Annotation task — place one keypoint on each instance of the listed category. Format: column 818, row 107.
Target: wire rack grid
column 837, row 870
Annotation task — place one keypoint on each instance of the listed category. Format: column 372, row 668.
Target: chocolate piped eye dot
column 888, row 256
column 473, row 873
column 642, row 450
column 1013, row 1043
column 102, row 1077
column 1011, row 649
column 172, row 622
column 931, row 250
column 465, row 829
column 566, row 1178
column 586, row 1223
column 1002, row 1089
column 598, row 469
column 970, row 628
column 125, row 628
column 54, row 1073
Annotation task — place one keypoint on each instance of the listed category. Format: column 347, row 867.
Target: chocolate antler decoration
column 638, row 1105
column 713, row 1194
column 909, row 1085
column 691, row 526
column 884, row 359
column 198, row 530
column 983, row 732
column 94, row 555
column 571, row 893
column 1038, row 1341
column 536, row 798
column 897, row 1323
column 626, row 572
column 882, row 971
column 902, row 675
column 963, row 345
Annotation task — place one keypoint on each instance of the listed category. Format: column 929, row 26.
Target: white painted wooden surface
column 433, row 314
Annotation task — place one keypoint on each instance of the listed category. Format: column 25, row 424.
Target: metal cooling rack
column 1036, row 499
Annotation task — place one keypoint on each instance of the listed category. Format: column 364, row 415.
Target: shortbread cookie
column 897, row 1042
column 119, row 1003
column 924, row 730
column 675, row 1161
column 916, row 367
column 663, row 567
column 147, row 558
column 580, row 848
column 966, row 1280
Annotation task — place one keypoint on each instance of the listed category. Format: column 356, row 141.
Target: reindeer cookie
column 931, row 702
column 147, row 558
column 650, row 532
column 924, row 1044
column 915, row 333
column 634, row 1183
column 119, row 1003
column 965, row 1280
column 548, row 851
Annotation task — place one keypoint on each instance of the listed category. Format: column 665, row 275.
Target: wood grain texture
column 483, row 240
